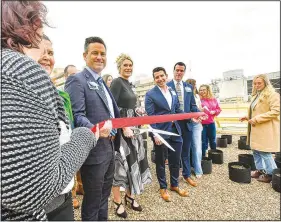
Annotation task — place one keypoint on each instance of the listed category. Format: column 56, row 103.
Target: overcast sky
column 210, row 37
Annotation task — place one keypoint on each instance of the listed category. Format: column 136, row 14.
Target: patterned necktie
column 100, row 82
column 178, row 89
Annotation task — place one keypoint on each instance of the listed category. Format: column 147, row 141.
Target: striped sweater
column 35, row 168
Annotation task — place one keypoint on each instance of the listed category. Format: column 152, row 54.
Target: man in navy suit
column 92, row 102
column 187, row 104
column 162, row 100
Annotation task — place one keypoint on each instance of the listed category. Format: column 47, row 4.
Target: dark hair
column 193, row 82
column 66, row 69
column 90, row 40
column 180, row 64
column 157, row 69
column 20, row 21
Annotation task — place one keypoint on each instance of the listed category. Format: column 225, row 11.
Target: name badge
column 187, row 89
column 173, row 93
column 93, row 85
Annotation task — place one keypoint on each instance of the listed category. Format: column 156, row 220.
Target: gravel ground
column 215, row 198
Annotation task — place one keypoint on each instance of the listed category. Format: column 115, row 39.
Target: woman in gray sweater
column 36, row 167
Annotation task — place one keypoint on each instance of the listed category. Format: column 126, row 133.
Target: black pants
column 64, row 212
column 97, row 182
column 173, row 159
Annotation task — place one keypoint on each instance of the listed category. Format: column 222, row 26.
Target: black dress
column 131, row 165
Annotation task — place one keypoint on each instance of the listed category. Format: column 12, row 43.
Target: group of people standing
column 177, row 96
column 47, row 142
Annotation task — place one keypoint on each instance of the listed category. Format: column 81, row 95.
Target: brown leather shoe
column 190, row 181
column 256, row 173
column 266, row 178
column 165, row 195
column 182, row 193
column 75, row 203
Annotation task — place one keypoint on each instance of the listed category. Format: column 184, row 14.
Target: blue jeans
column 264, row 161
column 208, row 136
column 196, row 148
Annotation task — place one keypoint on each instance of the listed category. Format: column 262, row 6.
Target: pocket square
column 93, row 85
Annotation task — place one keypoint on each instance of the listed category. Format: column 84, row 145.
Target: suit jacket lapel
column 91, row 81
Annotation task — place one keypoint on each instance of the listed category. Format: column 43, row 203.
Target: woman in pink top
column 211, row 108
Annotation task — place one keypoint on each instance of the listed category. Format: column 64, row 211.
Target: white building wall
column 234, row 88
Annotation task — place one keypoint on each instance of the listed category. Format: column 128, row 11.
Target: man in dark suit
column 92, row 102
column 187, row 104
column 162, row 100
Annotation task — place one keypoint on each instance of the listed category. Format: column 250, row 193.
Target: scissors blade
column 163, row 141
column 150, row 129
column 163, row 132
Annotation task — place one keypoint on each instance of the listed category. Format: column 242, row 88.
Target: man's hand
column 200, row 118
column 204, row 117
column 105, row 130
column 128, row 132
column 157, row 141
column 244, row 118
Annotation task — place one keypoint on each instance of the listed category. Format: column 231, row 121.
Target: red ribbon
column 136, row 121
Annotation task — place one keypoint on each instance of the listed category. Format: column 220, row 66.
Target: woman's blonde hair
column 121, row 58
column 268, row 89
column 193, row 83
column 209, row 91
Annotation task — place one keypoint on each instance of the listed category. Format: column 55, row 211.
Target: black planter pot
column 276, row 180
column 278, row 163
column 206, row 165
column 244, row 138
column 242, row 145
column 153, row 156
column 216, row 156
column 222, row 142
column 278, row 156
column 228, row 137
column 248, row 159
column 239, row 175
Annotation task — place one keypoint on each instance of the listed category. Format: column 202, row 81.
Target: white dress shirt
column 167, row 96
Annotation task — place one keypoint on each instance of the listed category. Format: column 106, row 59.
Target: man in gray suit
column 92, row 102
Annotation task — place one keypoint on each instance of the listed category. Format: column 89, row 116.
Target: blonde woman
column 263, row 127
column 131, row 165
column 211, row 107
column 107, row 78
column 196, row 142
